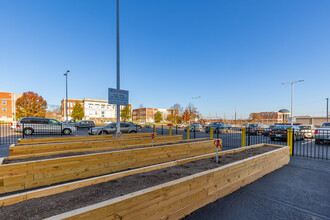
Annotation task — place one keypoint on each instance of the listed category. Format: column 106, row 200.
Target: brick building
column 94, row 109
column 148, row 114
column 271, row 117
column 7, row 106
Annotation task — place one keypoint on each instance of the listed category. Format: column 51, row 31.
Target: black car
column 255, row 129
column 267, row 130
column 281, row 132
column 85, row 124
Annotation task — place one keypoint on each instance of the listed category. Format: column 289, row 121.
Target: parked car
column 136, row 125
column 216, row 127
column 85, row 124
column 255, row 128
column 308, row 130
column 194, row 127
column 268, row 129
column 322, row 134
column 31, row 125
column 280, row 132
column 182, row 125
column 111, row 129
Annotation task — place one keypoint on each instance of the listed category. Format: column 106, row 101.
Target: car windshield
column 215, row 123
column 272, row 126
column 252, row 125
column 305, row 127
column 325, row 124
column 111, row 125
column 283, row 127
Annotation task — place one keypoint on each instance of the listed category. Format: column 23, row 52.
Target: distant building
column 8, row 106
column 94, row 109
column 148, row 114
column 271, row 117
column 71, row 104
column 311, row 120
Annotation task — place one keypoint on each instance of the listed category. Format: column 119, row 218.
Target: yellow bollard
column 211, row 132
column 243, row 136
column 154, row 129
column 188, row 132
column 170, row 130
column 289, row 140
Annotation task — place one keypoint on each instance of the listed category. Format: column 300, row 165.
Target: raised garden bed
column 25, row 141
column 11, row 160
column 26, row 175
column 23, row 151
column 170, row 192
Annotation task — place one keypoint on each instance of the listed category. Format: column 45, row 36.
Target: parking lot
column 232, row 139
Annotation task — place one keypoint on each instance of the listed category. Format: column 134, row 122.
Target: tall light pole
column 292, row 83
column 66, row 95
column 118, row 69
column 327, row 109
column 198, row 97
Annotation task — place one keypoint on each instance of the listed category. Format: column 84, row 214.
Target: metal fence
column 309, row 145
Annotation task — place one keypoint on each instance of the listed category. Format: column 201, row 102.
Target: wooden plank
column 167, row 205
column 25, row 141
column 50, row 171
column 54, row 148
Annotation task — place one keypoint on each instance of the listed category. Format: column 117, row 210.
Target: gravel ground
column 83, row 153
column 56, row 204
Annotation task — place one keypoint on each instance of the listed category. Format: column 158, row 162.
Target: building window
column 95, row 112
column 4, row 116
column 4, row 109
column 4, row 102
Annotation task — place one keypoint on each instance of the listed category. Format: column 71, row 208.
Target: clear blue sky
column 228, row 52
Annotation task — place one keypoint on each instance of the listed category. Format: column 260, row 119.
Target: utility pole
column 118, row 69
column 327, row 109
column 292, row 83
column 66, row 95
column 235, row 114
column 198, row 97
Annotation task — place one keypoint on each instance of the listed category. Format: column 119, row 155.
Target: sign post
column 152, row 139
column 118, row 97
column 217, row 144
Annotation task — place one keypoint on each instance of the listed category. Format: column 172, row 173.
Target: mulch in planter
column 63, row 202
column 10, row 161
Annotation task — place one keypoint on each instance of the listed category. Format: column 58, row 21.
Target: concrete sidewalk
column 300, row 190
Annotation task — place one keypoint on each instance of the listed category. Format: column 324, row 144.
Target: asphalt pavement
column 299, row 190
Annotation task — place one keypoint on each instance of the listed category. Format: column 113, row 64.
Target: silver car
column 111, row 129
column 31, row 125
column 195, row 127
column 308, row 130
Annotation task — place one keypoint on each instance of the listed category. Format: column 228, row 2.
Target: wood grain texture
column 19, row 176
column 23, row 151
column 26, row 141
column 178, row 198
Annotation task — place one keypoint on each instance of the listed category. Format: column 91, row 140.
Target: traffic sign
column 118, row 96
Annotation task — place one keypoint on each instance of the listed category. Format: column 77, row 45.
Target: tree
column 158, row 116
column 54, row 111
column 126, row 113
column 77, row 112
column 30, row 104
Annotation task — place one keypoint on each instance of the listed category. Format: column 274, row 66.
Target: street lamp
column 198, row 97
column 327, row 108
column 66, row 96
column 292, row 82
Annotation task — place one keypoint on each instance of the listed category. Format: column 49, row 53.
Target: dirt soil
column 63, row 202
column 6, row 161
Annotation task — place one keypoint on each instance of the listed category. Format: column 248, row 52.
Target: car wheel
column 133, row 131
column 272, row 139
column 103, row 132
column 66, row 131
column 317, row 141
column 28, row 131
column 206, row 132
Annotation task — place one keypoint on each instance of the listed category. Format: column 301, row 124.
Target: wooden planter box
column 23, row 151
column 26, row 175
column 178, row 198
column 25, row 141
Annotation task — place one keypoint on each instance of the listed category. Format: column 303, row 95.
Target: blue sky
column 231, row 53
